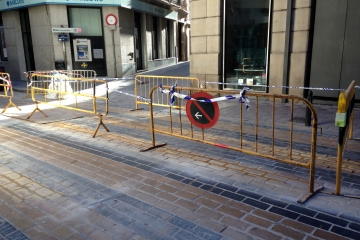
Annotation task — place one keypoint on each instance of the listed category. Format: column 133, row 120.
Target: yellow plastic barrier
column 344, row 120
column 144, row 84
column 71, row 93
column 5, row 82
column 173, row 123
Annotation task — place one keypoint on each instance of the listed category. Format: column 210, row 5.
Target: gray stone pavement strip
column 103, row 209
column 57, row 182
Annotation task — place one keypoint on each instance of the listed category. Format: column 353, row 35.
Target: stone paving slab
column 99, row 193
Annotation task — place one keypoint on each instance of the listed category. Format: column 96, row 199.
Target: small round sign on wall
column 111, row 19
column 202, row 114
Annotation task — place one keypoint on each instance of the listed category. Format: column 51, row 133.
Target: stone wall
column 205, row 38
column 299, row 44
column 15, row 65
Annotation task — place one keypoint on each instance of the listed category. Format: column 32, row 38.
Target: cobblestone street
column 57, row 182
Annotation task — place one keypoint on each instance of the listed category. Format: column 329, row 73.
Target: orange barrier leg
column 37, row 108
column 102, row 124
column 10, row 104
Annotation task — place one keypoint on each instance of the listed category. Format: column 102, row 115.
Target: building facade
column 306, row 43
column 115, row 38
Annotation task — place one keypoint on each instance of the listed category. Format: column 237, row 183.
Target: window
column 3, row 52
column 88, row 19
column 246, row 41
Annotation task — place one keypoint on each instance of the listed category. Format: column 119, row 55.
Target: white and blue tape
column 242, row 98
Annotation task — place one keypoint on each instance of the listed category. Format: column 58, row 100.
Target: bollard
column 308, row 112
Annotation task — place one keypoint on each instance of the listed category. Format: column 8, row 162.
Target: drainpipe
column 223, row 45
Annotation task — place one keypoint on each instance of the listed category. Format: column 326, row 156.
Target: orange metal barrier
column 144, row 84
column 5, row 82
column 71, row 93
column 254, row 139
column 344, row 120
column 32, row 76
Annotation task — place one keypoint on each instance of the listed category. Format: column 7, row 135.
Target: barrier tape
column 52, row 73
column 242, row 98
column 112, row 79
column 8, row 82
column 132, row 95
column 271, row 86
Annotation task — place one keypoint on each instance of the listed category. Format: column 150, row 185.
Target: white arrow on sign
column 197, row 115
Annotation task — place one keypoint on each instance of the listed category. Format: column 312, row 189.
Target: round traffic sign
column 111, row 19
column 202, row 114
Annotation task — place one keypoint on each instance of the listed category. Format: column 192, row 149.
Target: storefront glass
column 246, row 43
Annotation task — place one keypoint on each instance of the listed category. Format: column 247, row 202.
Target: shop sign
column 133, row 4
column 10, row 3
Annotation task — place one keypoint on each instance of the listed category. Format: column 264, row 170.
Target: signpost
column 111, row 21
column 202, row 114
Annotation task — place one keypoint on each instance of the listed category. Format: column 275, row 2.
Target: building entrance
column 87, row 47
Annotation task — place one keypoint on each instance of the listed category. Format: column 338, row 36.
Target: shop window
column 88, row 19
column 3, row 52
column 246, row 43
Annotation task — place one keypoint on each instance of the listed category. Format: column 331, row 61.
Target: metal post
column 64, row 53
column 308, row 112
column 114, row 50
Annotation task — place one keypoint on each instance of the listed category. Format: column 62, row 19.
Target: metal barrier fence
column 71, row 93
column 5, row 82
column 32, row 76
column 144, row 84
column 238, row 133
column 344, row 120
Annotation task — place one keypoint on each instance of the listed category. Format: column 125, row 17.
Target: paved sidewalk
column 57, row 182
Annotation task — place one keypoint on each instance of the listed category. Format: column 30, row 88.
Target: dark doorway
column 26, row 36
column 137, row 42
column 180, row 44
column 168, row 54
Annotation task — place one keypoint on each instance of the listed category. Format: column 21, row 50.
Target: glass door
column 246, row 43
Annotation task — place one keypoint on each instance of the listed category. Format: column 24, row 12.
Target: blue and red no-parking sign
column 202, row 114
